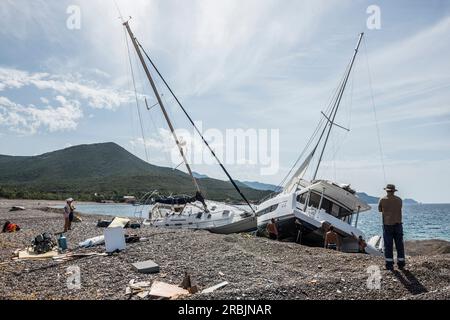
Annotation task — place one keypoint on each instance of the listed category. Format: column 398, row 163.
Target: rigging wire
column 196, row 129
column 375, row 114
column 132, row 119
column 137, row 99
column 330, row 107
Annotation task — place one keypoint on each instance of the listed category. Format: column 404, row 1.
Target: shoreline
column 256, row 268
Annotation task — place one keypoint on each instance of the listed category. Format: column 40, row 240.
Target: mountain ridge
column 104, row 168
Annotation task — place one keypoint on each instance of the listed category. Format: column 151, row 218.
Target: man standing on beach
column 68, row 214
column 391, row 208
column 332, row 240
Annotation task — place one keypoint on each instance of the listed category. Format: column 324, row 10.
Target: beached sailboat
column 191, row 212
column 304, row 210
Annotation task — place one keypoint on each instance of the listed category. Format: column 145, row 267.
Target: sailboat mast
column 337, row 103
column 163, row 109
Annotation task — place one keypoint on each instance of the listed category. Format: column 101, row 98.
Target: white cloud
column 96, row 96
column 30, row 119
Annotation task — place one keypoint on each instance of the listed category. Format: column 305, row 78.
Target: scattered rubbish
column 143, row 294
column 188, row 284
column 30, row 254
column 114, row 239
column 92, row 242
column 77, row 219
column 132, row 238
column 62, row 241
column 216, row 287
column 9, row 227
column 148, row 266
column 103, row 223
column 167, row 291
column 135, row 226
column 74, row 256
column 319, row 267
column 119, row 222
column 17, row 208
column 43, row 243
column 221, row 273
column 141, row 289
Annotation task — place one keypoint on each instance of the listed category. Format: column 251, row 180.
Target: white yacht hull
column 245, row 225
column 222, row 219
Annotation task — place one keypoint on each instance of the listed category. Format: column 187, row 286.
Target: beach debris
column 216, row 287
column 43, row 243
column 10, row 227
column 143, row 294
column 167, row 291
column 221, row 273
column 17, row 208
column 114, row 239
column 77, row 219
column 119, row 222
column 75, row 256
column 103, row 223
column 188, row 284
column 92, row 242
column 30, row 254
column 141, row 289
column 148, row 266
column 132, row 238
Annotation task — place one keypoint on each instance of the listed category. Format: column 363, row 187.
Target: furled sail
column 294, row 181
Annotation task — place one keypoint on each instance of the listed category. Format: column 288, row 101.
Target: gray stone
column 148, row 266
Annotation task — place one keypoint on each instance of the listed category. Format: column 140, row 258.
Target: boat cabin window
column 327, row 205
column 302, row 197
column 267, row 210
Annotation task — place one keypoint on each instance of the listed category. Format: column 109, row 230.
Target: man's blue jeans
column 393, row 234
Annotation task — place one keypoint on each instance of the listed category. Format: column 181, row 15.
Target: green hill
column 104, row 168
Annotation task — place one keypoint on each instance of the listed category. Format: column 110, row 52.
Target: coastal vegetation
column 105, row 169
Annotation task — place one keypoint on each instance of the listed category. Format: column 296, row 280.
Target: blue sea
column 421, row 221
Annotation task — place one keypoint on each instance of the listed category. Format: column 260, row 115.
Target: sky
column 265, row 65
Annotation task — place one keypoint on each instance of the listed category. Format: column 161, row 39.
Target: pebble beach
column 255, row 268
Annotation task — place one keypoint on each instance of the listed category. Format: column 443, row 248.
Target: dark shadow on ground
column 410, row 282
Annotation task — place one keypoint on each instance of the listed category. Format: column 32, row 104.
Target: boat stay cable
column 328, row 110
column 196, row 128
column 137, row 99
column 375, row 115
column 337, row 103
column 199, row 196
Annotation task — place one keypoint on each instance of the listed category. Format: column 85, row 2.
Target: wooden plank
column 165, row 290
column 28, row 254
column 119, row 222
column 216, row 287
